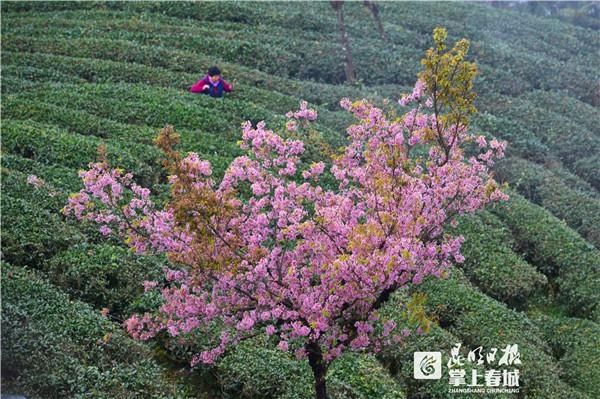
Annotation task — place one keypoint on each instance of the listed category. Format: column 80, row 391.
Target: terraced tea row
column 564, row 150
column 246, row 44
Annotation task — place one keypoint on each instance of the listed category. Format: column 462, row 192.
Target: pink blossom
column 303, row 113
column 481, row 141
column 174, row 275
column 291, row 125
column 246, row 323
column 283, row 345
column 266, row 315
column 300, row 353
column 360, row 342
column 35, row 181
column 300, row 330
column 315, row 170
column 413, row 140
column 149, row 285
column 270, row 330
column 388, row 327
column 416, row 94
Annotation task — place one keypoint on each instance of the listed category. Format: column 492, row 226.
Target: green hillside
column 79, row 74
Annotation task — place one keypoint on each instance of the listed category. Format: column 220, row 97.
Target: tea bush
column 580, row 210
column 104, row 275
column 31, row 235
column 491, row 264
column 79, row 74
column 478, row 320
column 253, row 370
column 558, row 252
column 55, row 347
column 576, row 345
column 46, row 144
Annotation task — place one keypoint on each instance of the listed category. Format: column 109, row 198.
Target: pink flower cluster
column 315, row 170
column 300, row 118
column 135, row 218
column 300, row 262
column 273, row 152
column 35, row 181
column 304, row 112
column 416, row 94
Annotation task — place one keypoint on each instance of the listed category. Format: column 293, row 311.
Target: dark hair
column 213, row 70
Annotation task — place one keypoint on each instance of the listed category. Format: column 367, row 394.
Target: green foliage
column 80, row 70
column 139, row 105
column 46, row 144
column 129, row 55
column 59, row 177
column 587, row 168
column 537, row 62
column 452, row 75
column 253, row 370
column 576, row 345
column 34, row 225
column 420, row 18
column 558, row 252
column 580, row 210
column 14, row 182
column 478, row 320
column 75, row 120
column 562, row 103
column 218, row 121
column 398, row 358
column 104, row 275
column 580, row 13
column 567, row 139
column 32, row 230
column 491, row 264
column 125, row 136
column 16, row 6
column 54, row 347
column 529, row 49
column 521, row 141
column 24, row 76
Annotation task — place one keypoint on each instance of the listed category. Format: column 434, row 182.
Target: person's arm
column 228, row 87
column 200, row 86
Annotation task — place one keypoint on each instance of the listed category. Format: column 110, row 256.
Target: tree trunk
column 349, row 64
column 319, row 368
column 375, row 11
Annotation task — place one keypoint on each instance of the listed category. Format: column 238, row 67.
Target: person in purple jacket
column 212, row 84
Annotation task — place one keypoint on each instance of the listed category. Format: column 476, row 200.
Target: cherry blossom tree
column 270, row 250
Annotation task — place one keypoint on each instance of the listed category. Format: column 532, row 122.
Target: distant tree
column 270, row 251
column 375, row 11
column 338, row 7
